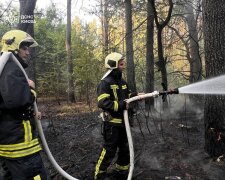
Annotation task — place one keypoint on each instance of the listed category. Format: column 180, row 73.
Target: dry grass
column 74, row 108
column 62, row 108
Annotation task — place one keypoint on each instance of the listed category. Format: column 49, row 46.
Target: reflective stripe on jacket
column 28, row 146
column 111, row 95
column 18, row 137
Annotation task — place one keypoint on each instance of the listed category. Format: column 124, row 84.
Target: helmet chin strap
column 16, row 51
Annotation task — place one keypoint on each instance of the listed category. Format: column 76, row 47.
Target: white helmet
column 111, row 62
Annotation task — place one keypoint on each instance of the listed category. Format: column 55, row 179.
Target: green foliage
column 87, row 65
column 51, row 56
column 87, row 42
column 51, row 63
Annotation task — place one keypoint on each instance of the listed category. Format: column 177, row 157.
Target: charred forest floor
column 166, row 145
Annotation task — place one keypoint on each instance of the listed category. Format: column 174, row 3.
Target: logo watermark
column 15, row 19
column 27, row 19
column 11, row 18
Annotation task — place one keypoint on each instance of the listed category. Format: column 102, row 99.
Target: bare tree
column 71, row 96
column 195, row 60
column 105, row 27
column 214, row 40
column 27, row 24
column 160, row 26
column 129, row 46
column 150, row 54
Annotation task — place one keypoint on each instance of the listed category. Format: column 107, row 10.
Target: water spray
column 212, row 86
column 3, row 60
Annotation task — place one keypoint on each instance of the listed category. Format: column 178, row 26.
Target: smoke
column 178, row 105
column 180, row 112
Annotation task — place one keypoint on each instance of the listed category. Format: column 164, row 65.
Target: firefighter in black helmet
column 112, row 93
column 19, row 145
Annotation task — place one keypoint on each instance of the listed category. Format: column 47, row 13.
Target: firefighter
column 19, row 145
column 112, row 93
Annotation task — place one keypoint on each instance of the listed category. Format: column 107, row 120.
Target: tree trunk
column 27, row 24
column 195, row 61
column 160, row 27
column 149, row 102
column 71, row 96
column 102, row 28
column 106, row 27
column 129, row 46
column 213, row 29
column 26, row 14
column 162, row 60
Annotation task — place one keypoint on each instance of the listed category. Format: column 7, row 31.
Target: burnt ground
column 167, row 145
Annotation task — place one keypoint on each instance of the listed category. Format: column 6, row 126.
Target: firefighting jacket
column 18, row 136
column 111, row 95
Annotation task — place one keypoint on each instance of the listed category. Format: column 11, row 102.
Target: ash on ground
column 166, row 145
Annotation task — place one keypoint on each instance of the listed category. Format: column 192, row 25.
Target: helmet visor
column 31, row 41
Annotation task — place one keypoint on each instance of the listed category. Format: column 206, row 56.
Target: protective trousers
column 114, row 137
column 26, row 168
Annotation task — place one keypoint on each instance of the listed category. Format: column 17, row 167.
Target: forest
column 167, row 44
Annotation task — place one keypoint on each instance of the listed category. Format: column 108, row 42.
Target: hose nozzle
column 165, row 93
column 172, row 91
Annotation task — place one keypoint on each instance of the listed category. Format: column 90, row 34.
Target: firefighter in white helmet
column 19, row 145
column 112, row 93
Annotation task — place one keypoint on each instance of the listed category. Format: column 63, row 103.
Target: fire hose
column 126, row 121
column 129, row 137
column 3, row 60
